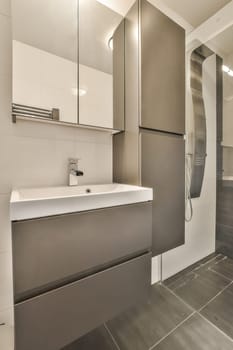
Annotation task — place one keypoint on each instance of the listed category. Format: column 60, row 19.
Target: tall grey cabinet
column 151, row 151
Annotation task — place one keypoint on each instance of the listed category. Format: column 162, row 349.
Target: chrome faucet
column 74, row 173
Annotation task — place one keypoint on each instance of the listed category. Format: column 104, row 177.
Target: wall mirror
column 45, row 56
column 68, row 62
column 101, row 65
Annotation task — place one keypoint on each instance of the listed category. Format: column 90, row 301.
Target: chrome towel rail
column 29, row 111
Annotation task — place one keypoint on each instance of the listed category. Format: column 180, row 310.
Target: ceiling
column 49, row 25
column 224, row 41
column 52, row 26
column 97, row 24
column 196, row 12
column 119, row 6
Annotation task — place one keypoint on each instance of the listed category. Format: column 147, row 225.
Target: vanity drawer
column 57, row 318
column 50, row 252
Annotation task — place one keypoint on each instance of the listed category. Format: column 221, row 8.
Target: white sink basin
column 31, row 203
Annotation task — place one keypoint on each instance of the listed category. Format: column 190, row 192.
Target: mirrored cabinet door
column 101, row 66
column 45, row 56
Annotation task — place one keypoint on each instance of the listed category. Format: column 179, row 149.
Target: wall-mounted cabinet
column 68, row 63
column 162, row 67
column 151, row 151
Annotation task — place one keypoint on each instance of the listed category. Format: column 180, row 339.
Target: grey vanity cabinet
column 57, row 318
column 69, row 271
column 64, row 248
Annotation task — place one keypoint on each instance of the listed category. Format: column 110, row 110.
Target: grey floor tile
column 217, row 258
column 142, row 326
column 196, row 334
column 190, row 272
column 181, row 277
column 220, row 311
column 208, row 260
column 199, row 287
column 224, row 267
column 99, row 339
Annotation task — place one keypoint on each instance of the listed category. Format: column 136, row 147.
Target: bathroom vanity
column 80, row 256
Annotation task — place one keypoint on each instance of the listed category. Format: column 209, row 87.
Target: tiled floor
column 192, row 310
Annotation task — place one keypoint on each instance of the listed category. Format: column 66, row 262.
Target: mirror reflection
column 68, row 62
column 45, row 48
column 101, row 65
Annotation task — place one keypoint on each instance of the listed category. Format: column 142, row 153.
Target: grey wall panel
column 119, row 77
column 51, row 251
column 162, row 71
column 163, row 169
column 55, row 319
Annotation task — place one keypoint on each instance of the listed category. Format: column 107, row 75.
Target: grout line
column 212, row 259
column 190, row 307
column 199, row 310
column 112, row 337
column 208, row 261
column 195, row 269
column 229, row 284
column 173, row 330
column 213, row 325
column 180, row 299
column 184, row 283
column 224, row 257
column 220, row 274
column 194, row 312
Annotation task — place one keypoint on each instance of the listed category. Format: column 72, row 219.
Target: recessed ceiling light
column 230, row 73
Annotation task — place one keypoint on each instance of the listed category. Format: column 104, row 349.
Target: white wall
column 36, row 154
column 96, row 106
column 200, row 232
column 44, row 80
